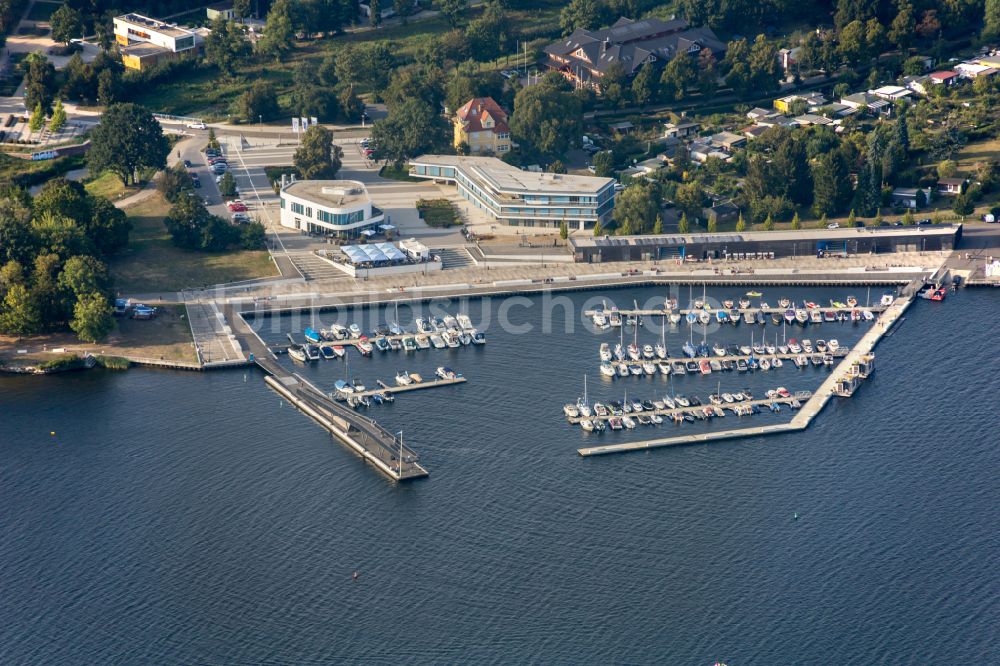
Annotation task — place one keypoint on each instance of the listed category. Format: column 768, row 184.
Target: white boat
column 656, row 419
column 608, row 370
column 464, row 322
column 355, row 331
column 776, row 362
column 633, row 352
column 628, row 422
column 647, row 351
column 605, row 351
column 622, row 370
column 581, row 403
column 423, row 342
column 649, row 367
column 867, row 314
column 403, row 379
column 669, row 403
column 887, row 299
column 587, row 425
column 664, row 368
column 445, row 373
column 451, row 339
column 765, row 364
column 833, row 345
column 661, row 350
column 570, row 410
column 438, row 342
column 635, row 369
column 675, row 318
column 297, row 352
column 600, row 321
column 423, row 326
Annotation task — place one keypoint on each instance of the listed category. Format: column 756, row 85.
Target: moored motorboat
column 445, row 373
column 403, row 379
column 327, row 352
column 608, row 370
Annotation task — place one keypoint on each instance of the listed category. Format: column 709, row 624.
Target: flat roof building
column 145, row 41
column 522, row 198
column 340, row 208
column 767, row 244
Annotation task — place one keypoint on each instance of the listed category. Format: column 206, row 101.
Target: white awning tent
column 369, row 232
column 373, row 253
column 386, row 227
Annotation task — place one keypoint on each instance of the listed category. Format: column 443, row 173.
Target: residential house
column 946, row 77
column 701, row 150
column 812, row 100
column 757, row 114
column 223, row 10
column 729, row 141
column 951, row 186
column 918, row 84
column 864, row 102
column 670, row 145
column 973, row 70
column 837, row 110
column 892, row 93
column 910, row 197
column 584, row 56
column 812, row 119
column 722, row 212
column 753, row 132
column 777, row 120
column 481, row 125
column 622, row 128
column 680, row 130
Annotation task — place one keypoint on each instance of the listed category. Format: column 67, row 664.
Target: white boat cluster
column 627, row 414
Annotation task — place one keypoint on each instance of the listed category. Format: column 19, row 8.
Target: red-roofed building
column 946, row 77
column 482, row 126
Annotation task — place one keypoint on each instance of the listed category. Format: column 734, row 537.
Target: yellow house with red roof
column 481, row 125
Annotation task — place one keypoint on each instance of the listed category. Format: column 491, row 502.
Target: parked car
column 833, row 225
column 926, row 220
column 187, row 164
column 212, row 152
column 216, row 160
column 220, row 168
column 197, row 126
column 240, row 218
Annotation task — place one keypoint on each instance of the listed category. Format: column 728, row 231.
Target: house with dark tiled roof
column 586, row 55
column 481, row 124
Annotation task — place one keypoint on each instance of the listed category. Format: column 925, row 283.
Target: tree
column 547, row 117
column 260, row 102
column 278, row 31
column 109, row 87
column 604, row 164
column 964, row 205
column 58, row 117
column 713, row 224
column 92, row 319
column 563, row 230
column 17, row 242
column 683, row 226
column 947, row 168
column 226, row 46
column 375, row 8
column 598, row 229
column 242, row 8
column 351, row 106
column 851, row 219
column 878, row 218
column 252, row 236
column 317, row 158
column 409, row 129
column 796, row 222
column 39, row 83
column 192, row 227
column 852, row 42
column 831, row 184
column 19, row 314
column 83, row 275
column 452, row 10
column 578, row 14
column 37, row 121
column 489, row 35
column 636, row 208
column 769, row 224
column 991, row 20
column 556, row 167
column 127, row 139
column 741, row 224
column 908, row 217
column 679, row 77
column 63, row 198
column 874, row 37
column 646, row 85
column 903, row 26
column 66, row 24
column 658, row 225
column 227, row 186
column 108, row 227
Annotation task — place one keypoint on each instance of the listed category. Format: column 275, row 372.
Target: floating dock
column 432, row 383
column 662, row 312
column 859, row 354
column 693, row 410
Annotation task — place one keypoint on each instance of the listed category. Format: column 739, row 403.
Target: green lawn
column 392, row 172
column 153, row 264
column 109, row 186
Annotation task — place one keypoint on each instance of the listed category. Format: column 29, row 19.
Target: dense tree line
column 53, row 252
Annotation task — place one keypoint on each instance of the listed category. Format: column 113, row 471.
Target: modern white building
column 522, row 198
column 145, row 41
column 339, row 208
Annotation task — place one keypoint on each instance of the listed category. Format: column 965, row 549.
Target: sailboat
column 581, row 404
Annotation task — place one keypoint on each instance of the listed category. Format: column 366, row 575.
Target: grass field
column 109, row 186
column 152, row 264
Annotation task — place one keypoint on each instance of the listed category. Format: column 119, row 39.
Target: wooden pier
column 809, row 410
column 386, row 388
column 730, row 407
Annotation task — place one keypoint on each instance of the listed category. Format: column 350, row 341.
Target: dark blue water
column 191, row 518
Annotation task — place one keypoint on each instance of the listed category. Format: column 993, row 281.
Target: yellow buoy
column 53, row 433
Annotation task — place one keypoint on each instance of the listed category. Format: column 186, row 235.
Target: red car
column 238, row 208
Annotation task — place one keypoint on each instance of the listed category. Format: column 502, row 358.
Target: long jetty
column 887, row 318
column 372, row 442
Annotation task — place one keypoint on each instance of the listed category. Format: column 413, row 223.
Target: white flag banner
column 305, row 123
column 313, row 121
column 295, row 125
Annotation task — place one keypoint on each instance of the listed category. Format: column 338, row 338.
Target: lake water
column 195, row 518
